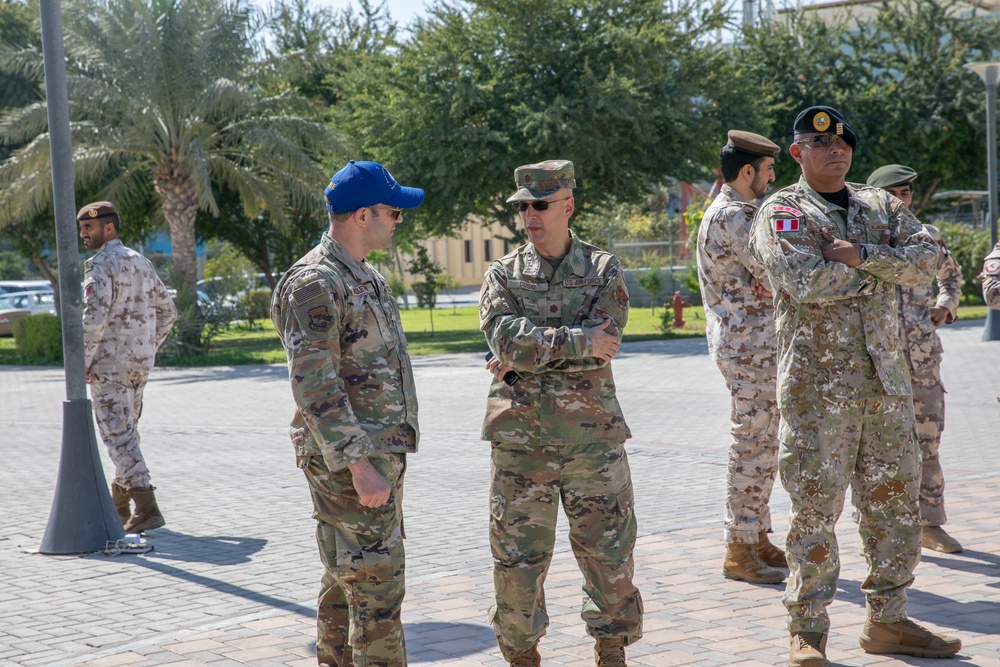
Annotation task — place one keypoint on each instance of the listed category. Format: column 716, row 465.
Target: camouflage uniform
column 557, row 433
column 844, row 392
column 991, row 278
column 740, row 330
column 353, row 387
column 923, row 350
column 127, row 314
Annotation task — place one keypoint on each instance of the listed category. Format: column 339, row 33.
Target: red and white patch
column 787, row 209
column 786, row 224
column 992, row 266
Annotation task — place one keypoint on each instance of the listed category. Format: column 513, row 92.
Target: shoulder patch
column 621, row 296
column 320, row 319
column 307, row 292
column 786, row 224
column 992, row 267
column 793, row 212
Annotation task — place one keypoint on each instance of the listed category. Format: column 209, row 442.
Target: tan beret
column 99, row 209
column 755, row 144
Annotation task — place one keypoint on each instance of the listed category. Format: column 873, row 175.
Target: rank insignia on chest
column 319, row 319
column 786, row 224
column 992, row 267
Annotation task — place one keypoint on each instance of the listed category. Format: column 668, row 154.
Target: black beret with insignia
column 825, row 120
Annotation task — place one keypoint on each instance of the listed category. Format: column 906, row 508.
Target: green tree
column 164, row 91
column 618, row 86
column 898, row 78
column 11, row 266
column 426, row 290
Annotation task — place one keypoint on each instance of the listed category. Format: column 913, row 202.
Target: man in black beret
column 921, row 312
column 739, row 324
column 834, row 253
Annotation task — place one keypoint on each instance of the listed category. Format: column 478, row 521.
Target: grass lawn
column 454, row 330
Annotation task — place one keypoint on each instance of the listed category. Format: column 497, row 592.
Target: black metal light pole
column 990, row 74
column 83, row 518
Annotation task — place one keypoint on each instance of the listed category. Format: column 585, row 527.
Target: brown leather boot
column 769, row 553
column 907, row 638
column 610, row 652
column 934, row 537
column 527, row 658
column 119, row 496
column 147, row 515
column 807, row 649
column 743, row 564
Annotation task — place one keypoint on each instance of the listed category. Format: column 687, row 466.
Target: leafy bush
column 666, row 320
column 969, row 246
column 38, row 339
column 256, row 305
column 196, row 326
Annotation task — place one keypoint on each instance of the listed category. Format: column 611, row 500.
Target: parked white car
column 36, row 302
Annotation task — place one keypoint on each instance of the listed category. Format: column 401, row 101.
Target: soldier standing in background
column 739, row 325
column 356, row 415
column 127, row 314
column 991, row 278
column 920, row 314
column 553, row 310
column 834, row 253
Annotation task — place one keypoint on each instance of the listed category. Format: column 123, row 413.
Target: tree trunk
column 180, row 208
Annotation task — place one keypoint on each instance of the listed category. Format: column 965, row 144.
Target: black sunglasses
column 825, row 140
column 541, row 205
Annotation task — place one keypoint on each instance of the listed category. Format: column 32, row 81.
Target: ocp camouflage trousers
column 871, row 445
column 358, row 609
column 753, row 452
column 595, row 485
column 117, row 401
column 928, row 404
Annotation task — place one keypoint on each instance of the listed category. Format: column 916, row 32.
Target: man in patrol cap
column 834, row 252
column 553, row 311
column 356, row 414
column 739, row 325
column 920, row 313
column 127, row 314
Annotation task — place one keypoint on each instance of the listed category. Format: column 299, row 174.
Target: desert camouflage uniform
column 353, row 387
column 127, row 314
column 844, row 392
column 740, row 330
column 558, row 432
column 991, row 278
column 923, row 350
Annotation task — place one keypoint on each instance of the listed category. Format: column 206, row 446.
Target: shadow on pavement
column 438, row 640
column 982, row 616
column 214, row 549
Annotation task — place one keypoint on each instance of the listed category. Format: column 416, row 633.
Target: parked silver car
column 36, row 302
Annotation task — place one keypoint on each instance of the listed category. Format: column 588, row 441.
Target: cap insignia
column 821, row 121
column 92, row 213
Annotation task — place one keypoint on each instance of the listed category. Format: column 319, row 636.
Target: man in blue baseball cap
column 356, row 416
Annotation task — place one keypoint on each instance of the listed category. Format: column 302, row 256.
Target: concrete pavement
column 233, row 576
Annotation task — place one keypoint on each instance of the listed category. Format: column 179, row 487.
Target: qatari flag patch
column 786, row 224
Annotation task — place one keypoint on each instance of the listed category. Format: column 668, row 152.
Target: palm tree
column 162, row 92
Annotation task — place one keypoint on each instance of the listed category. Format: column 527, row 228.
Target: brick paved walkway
column 232, row 578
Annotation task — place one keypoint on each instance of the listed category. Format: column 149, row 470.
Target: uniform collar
column 573, row 262
column 828, row 207
column 333, row 248
column 732, row 193
column 110, row 244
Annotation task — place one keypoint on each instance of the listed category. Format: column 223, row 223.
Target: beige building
column 466, row 256
column 865, row 10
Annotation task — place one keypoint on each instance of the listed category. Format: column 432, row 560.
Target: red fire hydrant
column 679, row 305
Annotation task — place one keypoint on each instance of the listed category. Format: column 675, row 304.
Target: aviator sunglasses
column 825, row 140
column 541, row 205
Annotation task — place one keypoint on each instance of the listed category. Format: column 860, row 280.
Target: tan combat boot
column 743, row 564
column 527, row 658
column 147, row 515
column 610, row 652
column 934, row 537
column 119, row 496
column 807, row 649
column 769, row 553
column 907, row 638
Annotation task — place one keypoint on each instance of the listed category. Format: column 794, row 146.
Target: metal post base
column 992, row 329
column 83, row 518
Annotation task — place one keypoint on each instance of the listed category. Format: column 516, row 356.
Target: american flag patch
column 786, row 224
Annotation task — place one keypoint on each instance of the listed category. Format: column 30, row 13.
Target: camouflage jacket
column 991, row 278
column 922, row 344
column 837, row 327
column 738, row 323
column 347, row 361
column 127, row 312
column 538, row 322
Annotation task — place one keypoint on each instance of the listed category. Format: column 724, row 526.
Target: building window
column 506, row 246
column 468, row 252
column 487, row 250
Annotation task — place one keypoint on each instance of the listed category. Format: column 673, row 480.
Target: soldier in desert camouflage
column 356, row 416
column 553, row 311
column 739, row 325
column 127, row 314
column 991, row 278
column 920, row 314
column 834, row 253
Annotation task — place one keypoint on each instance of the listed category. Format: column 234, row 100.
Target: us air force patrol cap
column 823, row 120
column 99, row 209
column 361, row 184
column 541, row 180
column 891, row 175
column 755, row 144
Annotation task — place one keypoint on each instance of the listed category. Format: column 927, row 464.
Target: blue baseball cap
column 361, row 184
